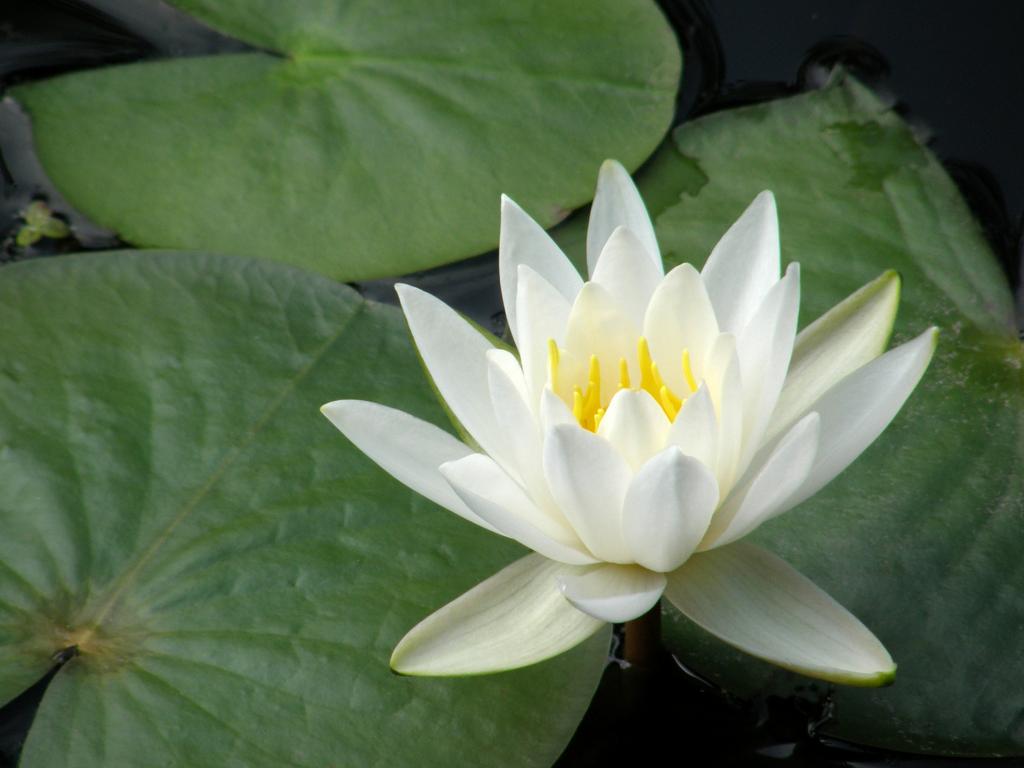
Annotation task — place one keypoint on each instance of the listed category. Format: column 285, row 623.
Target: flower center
column 587, row 403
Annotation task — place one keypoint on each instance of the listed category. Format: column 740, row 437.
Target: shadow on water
column 666, row 713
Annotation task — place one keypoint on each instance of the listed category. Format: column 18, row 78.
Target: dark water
column 955, row 70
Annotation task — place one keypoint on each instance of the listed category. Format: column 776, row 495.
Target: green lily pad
column 921, row 538
column 232, row 573
column 364, row 139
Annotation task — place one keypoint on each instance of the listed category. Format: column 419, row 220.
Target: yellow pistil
column 623, row 374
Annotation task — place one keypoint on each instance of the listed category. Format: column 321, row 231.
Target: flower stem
column 642, row 644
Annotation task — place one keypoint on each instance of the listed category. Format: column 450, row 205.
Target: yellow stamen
column 553, row 365
column 587, row 406
column 669, row 402
column 643, row 354
column 656, row 377
column 665, row 392
column 587, row 402
column 623, row 374
column 593, row 399
column 688, row 371
column 653, row 383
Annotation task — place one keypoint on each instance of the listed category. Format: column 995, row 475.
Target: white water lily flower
column 650, row 422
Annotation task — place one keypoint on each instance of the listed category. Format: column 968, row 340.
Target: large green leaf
column 233, row 573
column 922, row 536
column 375, row 140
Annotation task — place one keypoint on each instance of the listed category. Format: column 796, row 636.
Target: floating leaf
column 365, row 139
column 233, row 574
column 921, row 537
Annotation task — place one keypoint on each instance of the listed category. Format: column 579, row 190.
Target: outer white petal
column 523, row 242
column 513, row 619
column 725, row 383
column 407, row 448
column 588, row 479
column 756, row 602
column 635, row 425
column 617, row 203
column 769, row 486
column 597, row 326
column 764, row 349
column 494, row 497
column 626, row 272
column 680, row 316
column 695, row 430
column 614, row 593
column 856, row 410
column 455, row 354
column 744, row 264
column 516, row 421
column 543, row 315
column 667, row 510
column 851, row 334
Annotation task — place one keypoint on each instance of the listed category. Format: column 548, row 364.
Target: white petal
column 588, row 479
column 617, row 203
column 695, row 430
column 407, row 448
column 769, row 485
column 756, row 602
column 635, row 425
column 614, row 593
column 725, row 384
column 515, row 618
column 680, row 316
column 626, row 272
column 856, row 410
column 500, row 361
column 764, row 349
column 744, row 264
column 523, row 242
column 667, row 510
column 597, row 326
column 518, row 424
column 543, row 315
column 495, row 497
column 455, row 354
column 851, row 334
column 554, row 411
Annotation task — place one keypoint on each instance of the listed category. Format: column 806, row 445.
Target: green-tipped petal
column 515, row 618
column 759, row 604
column 851, row 334
column 857, row 409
